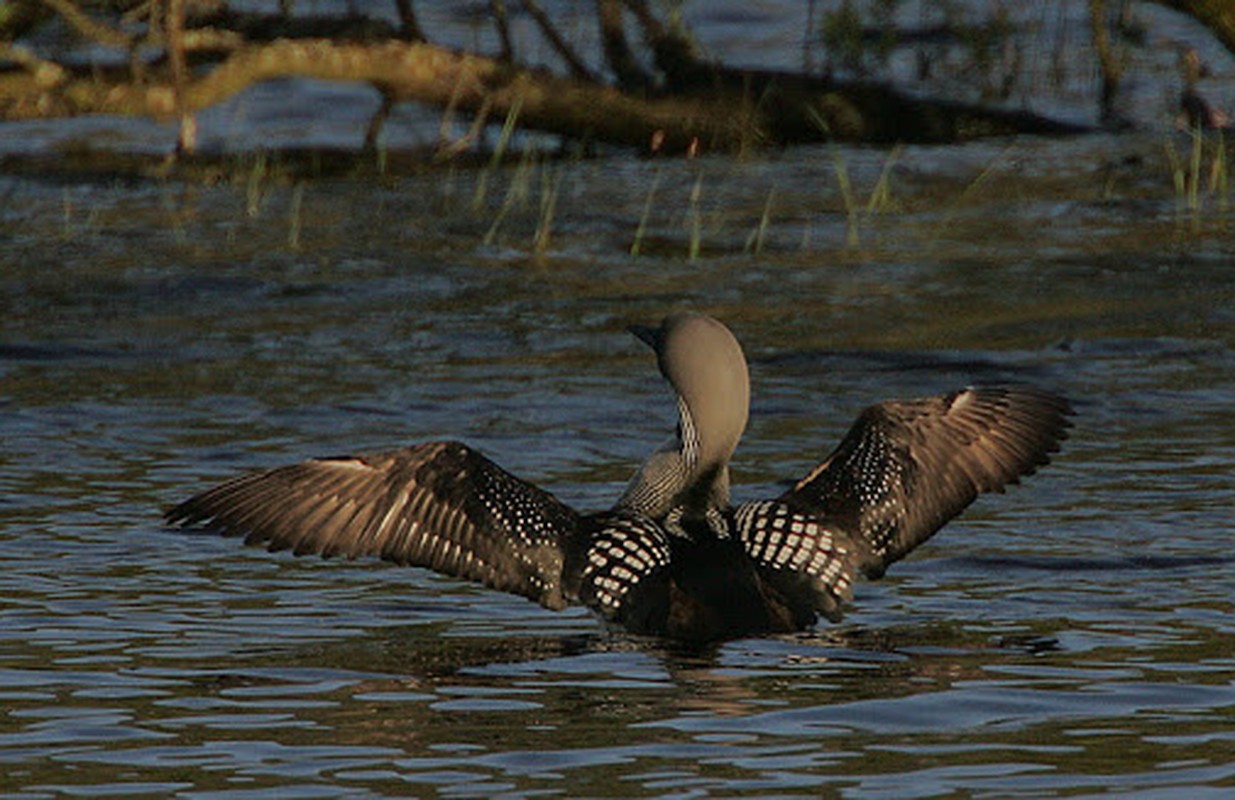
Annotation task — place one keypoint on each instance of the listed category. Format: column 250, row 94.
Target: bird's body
column 673, row 557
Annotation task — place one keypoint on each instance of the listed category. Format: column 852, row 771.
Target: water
column 1069, row 638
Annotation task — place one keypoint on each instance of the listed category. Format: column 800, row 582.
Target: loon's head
column 704, row 364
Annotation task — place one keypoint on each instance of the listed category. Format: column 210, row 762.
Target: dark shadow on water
column 53, row 352
column 973, row 366
column 442, row 652
column 1130, row 563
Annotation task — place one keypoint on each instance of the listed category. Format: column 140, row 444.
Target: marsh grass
column 694, row 219
column 258, row 174
column 536, row 179
column 952, row 208
column 294, row 224
column 499, row 152
column 382, row 156
column 1219, row 181
column 550, row 183
column 879, row 201
column 1199, row 174
column 876, row 205
column 691, row 219
column 754, row 242
column 848, row 198
column 641, row 230
column 517, row 192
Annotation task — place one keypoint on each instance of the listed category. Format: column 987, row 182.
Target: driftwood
column 211, row 54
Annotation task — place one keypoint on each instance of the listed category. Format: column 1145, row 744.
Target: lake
column 157, row 335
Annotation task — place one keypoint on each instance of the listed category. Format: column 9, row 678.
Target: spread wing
column 439, row 505
column 906, row 467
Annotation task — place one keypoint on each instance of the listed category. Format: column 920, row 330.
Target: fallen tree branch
column 709, row 107
column 17, row 17
column 618, row 55
column 410, row 30
column 740, row 109
column 564, row 51
column 407, row 71
column 43, row 73
column 87, row 26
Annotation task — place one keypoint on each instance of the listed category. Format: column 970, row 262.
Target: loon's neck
column 675, row 479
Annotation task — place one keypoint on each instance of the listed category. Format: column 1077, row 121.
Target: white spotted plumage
column 624, row 552
column 778, row 537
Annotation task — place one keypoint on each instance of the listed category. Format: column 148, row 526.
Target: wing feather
column 439, row 505
column 906, row 467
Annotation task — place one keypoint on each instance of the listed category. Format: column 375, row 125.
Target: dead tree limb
column 87, row 26
column 173, row 26
column 497, row 10
column 564, row 51
column 1108, row 63
column 407, row 71
column 410, row 30
column 618, row 55
column 703, row 106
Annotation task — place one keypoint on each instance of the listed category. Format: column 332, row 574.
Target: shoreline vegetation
column 170, row 59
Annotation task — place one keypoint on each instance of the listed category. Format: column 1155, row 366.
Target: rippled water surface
column 1071, row 637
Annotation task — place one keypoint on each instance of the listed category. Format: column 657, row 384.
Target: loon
column 673, row 557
